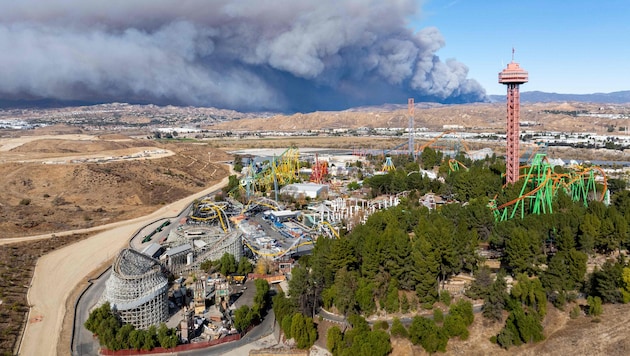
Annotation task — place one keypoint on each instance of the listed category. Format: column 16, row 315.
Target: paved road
column 83, row 342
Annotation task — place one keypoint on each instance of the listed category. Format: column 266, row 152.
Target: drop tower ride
column 512, row 77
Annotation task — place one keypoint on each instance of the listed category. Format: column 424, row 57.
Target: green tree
column 438, row 315
column 454, row 326
column 136, row 338
column 522, row 251
column 300, row 289
column 238, row 163
column 430, row 158
column 261, row 299
column 463, row 309
column 346, row 286
column 565, row 271
column 244, row 267
column 520, row 327
column 334, row 341
column 480, row 287
column 426, row 271
column 286, row 325
column 625, row 290
column 392, row 304
column 594, row 306
column 149, row 338
column 243, row 318
column 282, row 306
column 496, row 299
column 398, row 329
column 228, row 264
column 423, row 331
column 365, row 296
column 303, row 331
column 607, row 282
column 122, row 336
column 588, row 232
column 531, row 293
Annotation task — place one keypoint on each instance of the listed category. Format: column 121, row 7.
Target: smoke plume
column 285, row 55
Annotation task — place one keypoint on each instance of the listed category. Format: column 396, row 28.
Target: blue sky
column 574, row 47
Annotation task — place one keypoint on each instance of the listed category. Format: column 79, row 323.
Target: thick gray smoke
column 288, row 55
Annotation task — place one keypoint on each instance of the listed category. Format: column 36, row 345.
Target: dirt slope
column 39, row 198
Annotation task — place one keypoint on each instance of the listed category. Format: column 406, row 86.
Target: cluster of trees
column 527, row 305
column 409, row 251
column 293, row 323
column 400, row 250
column 246, row 316
column 227, row 265
column 359, row 340
column 481, row 179
column 114, row 335
column 430, row 333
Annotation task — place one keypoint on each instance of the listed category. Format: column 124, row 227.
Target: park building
column 306, row 190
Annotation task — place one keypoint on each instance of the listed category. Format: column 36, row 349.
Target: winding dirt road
column 58, row 273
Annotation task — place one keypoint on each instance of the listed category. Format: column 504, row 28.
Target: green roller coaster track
column 541, row 184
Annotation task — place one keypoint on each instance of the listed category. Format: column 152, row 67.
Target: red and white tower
column 513, row 76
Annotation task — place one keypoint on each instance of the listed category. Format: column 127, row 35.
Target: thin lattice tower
column 512, row 77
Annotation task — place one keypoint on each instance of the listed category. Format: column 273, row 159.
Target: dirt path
column 56, row 274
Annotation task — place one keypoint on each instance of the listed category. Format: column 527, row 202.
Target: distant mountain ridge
column 617, row 97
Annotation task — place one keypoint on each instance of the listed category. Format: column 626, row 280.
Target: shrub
column 438, row 315
column 575, row 312
column 25, row 201
column 445, row 297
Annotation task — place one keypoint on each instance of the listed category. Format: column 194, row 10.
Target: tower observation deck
column 512, row 77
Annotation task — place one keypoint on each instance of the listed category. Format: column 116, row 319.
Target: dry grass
column 17, row 262
column 39, row 198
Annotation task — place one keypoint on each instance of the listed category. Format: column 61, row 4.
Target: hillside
column 486, row 117
column 41, row 198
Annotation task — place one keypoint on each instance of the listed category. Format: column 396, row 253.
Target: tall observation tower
column 410, row 109
column 513, row 76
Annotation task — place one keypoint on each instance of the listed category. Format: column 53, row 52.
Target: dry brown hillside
column 606, row 336
column 39, row 198
column 479, row 116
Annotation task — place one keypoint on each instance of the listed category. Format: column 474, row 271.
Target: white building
column 310, row 190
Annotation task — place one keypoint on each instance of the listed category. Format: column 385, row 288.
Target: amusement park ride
column 278, row 171
column 540, row 183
